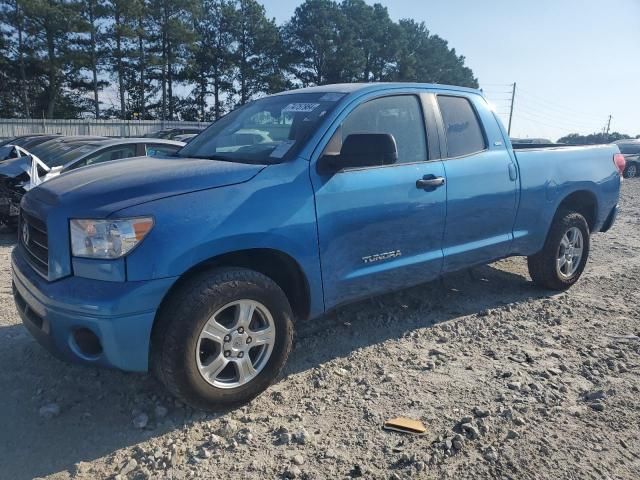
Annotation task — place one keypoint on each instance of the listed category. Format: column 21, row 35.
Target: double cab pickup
column 197, row 266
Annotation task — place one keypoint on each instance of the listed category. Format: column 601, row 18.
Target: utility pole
column 513, row 97
column 608, row 125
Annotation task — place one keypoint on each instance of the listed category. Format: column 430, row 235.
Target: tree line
column 594, row 138
column 197, row 59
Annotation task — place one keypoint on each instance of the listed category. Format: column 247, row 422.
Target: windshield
column 264, row 131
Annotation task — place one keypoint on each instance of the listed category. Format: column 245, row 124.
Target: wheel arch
column 583, row 202
column 279, row 266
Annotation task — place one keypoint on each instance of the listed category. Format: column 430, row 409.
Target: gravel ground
column 511, row 382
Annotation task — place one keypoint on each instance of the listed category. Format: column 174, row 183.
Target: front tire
column 222, row 338
column 564, row 256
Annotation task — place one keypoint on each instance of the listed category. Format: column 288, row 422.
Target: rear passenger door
column 482, row 183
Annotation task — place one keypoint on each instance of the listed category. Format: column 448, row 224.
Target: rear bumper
column 610, row 219
column 119, row 314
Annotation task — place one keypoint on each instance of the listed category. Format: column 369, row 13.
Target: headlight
column 107, row 238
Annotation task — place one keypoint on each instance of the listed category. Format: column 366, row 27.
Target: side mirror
column 361, row 150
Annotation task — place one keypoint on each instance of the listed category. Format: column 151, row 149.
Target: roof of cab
column 373, row 86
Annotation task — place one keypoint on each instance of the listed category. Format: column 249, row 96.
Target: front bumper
column 119, row 314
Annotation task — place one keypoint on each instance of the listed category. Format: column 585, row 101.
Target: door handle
column 430, row 182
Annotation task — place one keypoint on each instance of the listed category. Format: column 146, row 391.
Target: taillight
column 620, row 162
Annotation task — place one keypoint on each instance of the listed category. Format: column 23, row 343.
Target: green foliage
column 593, row 138
column 197, row 59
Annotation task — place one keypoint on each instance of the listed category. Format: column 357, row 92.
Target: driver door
column 378, row 230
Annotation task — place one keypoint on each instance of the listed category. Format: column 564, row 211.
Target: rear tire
column 248, row 337
column 557, row 266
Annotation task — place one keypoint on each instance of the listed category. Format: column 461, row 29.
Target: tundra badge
column 378, row 257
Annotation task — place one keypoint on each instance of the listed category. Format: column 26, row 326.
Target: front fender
column 275, row 210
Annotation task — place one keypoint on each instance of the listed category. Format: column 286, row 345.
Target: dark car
column 22, row 139
column 631, row 151
column 64, row 154
column 171, row 133
column 27, row 142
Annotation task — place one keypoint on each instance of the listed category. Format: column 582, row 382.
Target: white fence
column 105, row 128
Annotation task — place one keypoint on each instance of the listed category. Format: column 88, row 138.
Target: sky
column 574, row 62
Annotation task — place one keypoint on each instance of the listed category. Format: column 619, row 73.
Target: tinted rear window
column 464, row 135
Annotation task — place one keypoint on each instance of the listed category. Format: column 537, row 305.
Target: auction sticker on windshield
column 300, row 107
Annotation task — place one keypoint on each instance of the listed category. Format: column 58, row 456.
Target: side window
column 464, row 135
column 159, row 150
column 400, row 115
column 113, row 153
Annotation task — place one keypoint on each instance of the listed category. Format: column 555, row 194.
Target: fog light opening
column 87, row 342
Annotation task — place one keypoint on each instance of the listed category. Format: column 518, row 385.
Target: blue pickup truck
column 196, row 266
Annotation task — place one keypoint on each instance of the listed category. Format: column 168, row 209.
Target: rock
column 298, row 459
column 466, row 419
column 471, row 431
column 514, row 385
column 227, row 428
column 50, row 410
column 141, row 420
column 303, row 437
column 597, row 406
column 490, row 454
column 519, row 421
column 356, row 472
column 512, row 435
column 430, row 365
column 292, row 472
column 457, row 442
column 342, row 372
column 285, row 438
column 161, row 411
column 595, row 395
column 129, row 467
column 330, row 453
column 481, row 412
column 554, row 371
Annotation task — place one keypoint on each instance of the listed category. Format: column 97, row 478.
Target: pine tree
column 91, row 44
column 258, row 44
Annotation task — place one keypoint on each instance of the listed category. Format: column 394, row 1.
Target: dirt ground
column 511, row 382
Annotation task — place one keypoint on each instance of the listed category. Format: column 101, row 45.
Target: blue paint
column 495, row 203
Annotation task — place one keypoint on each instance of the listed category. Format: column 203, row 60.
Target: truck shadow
column 97, row 406
column 8, row 238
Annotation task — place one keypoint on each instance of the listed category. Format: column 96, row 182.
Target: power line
column 554, row 105
column 548, row 117
column 557, row 127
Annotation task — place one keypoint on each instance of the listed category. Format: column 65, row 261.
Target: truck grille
column 35, row 241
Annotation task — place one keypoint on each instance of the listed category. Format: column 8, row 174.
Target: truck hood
column 106, row 188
